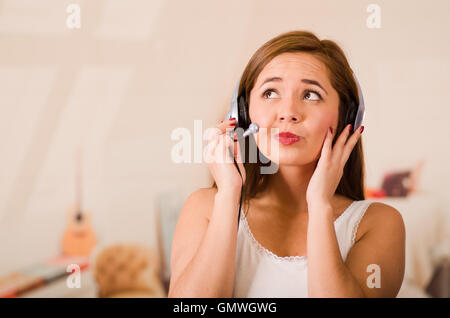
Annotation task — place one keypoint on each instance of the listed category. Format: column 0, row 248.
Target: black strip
column 242, row 187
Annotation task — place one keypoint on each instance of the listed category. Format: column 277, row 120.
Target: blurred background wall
column 136, row 70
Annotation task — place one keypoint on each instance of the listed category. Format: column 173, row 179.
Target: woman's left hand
column 330, row 167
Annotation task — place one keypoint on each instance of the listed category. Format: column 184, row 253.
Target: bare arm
column 203, row 252
column 383, row 244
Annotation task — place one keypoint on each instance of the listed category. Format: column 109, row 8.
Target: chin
column 294, row 158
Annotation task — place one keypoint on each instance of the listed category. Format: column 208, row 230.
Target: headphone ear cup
column 351, row 114
column 244, row 118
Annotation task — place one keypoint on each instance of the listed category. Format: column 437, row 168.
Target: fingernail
column 361, row 129
column 350, row 128
column 232, row 118
column 232, row 124
column 331, row 130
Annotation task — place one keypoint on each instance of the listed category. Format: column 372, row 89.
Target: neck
column 287, row 188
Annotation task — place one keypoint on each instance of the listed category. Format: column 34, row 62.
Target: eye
column 267, row 92
column 312, row 95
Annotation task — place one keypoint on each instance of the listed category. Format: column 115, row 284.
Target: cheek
column 260, row 115
column 264, row 116
column 324, row 121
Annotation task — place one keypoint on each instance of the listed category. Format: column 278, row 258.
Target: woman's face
column 293, row 93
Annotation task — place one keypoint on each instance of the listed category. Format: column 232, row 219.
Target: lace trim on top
column 355, row 227
column 261, row 249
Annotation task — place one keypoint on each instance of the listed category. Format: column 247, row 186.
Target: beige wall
column 136, row 70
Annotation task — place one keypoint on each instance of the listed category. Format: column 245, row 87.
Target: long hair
column 340, row 75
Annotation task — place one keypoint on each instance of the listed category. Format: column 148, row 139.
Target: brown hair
column 340, row 75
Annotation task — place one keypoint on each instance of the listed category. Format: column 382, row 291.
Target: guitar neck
column 78, row 186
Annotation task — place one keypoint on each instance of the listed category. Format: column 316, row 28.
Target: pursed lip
column 287, row 138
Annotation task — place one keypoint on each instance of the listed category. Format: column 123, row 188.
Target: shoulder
column 381, row 213
column 202, row 194
column 382, row 219
column 201, row 201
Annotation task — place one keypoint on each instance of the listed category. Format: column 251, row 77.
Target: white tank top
column 261, row 273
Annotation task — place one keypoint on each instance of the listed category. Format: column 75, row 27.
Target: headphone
column 238, row 110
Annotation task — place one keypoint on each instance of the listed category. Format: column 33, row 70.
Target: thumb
column 326, row 147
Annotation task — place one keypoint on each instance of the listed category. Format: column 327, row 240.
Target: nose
column 289, row 113
column 289, row 118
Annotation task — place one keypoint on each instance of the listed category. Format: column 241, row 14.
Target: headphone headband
column 361, row 107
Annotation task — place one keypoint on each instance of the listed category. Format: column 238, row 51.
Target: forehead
column 295, row 65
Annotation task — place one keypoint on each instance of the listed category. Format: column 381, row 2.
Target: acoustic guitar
column 79, row 238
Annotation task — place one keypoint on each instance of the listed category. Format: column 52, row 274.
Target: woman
column 307, row 230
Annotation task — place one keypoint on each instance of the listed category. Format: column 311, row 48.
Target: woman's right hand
column 220, row 160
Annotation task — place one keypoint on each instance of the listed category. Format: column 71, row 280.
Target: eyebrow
column 307, row 81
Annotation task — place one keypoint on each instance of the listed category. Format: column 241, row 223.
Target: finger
column 351, row 144
column 235, row 144
column 344, row 135
column 229, row 144
column 357, row 131
column 220, row 129
column 223, row 125
column 223, row 149
column 326, row 148
column 340, row 142
column 210, row 150
column 212, row 133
